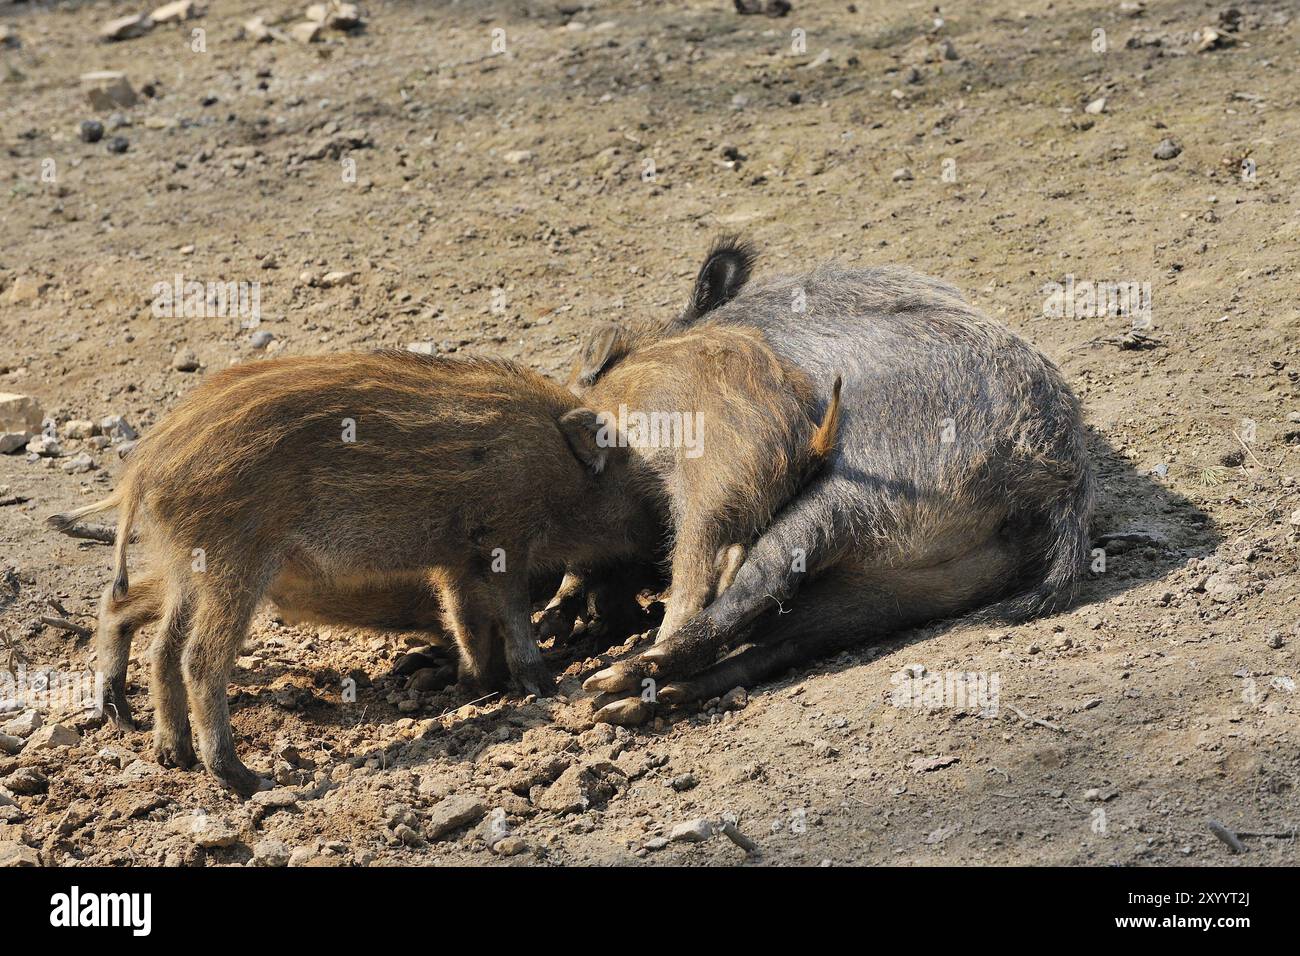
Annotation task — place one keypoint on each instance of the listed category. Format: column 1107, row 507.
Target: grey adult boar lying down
column 960, row 479
column 365, row 470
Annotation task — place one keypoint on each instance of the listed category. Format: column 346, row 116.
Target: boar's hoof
column 626, row 712
column 556, row 622
column 240, row 779
column 116, row 707
column 536, row 680
column 674, row 695
column 619, row 677
column 179, row 755
column 119, row 717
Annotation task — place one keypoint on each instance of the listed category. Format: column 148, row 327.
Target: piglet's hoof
column 556, row 622
column 625, row 712
column 178, row 755
column 536, row 680
column 240, row 779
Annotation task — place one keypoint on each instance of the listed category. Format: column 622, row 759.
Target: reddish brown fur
column 760, row 440
column 443, row 477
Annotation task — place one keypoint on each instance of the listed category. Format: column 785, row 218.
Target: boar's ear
column 725, row 270
column 583, row 431
column 602, row 345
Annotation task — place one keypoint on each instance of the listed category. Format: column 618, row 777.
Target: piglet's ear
column 726, row 269
column 602, row 345
column 587, row 438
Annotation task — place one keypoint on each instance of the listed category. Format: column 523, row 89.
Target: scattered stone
column 656, row 843
column 422, row 348
column 343, row 16
column 279, row 798
column 125, row 28
column 186, row 361
column 1274, row 640
column 510, row 846
column 684, row 782
column 44, row 446
column 10, row 744
column 271, row 852
column 302, row 856
column 1222, row 588
column 1167, row 149
column 26, row 782
column 9, row 38
column 79, row 464
column 209, row 832
column 118, row 145
column 1096, row 107
column 732, row 833
column 335, row 15
column 1212, row 39
column 452, row 813
column 117, row 427
column 578, row 789
column 308, row 31
column 52, row 736
column 257, row 30
column 331, row 279
column 24, row 725
column 79, row 429
column 13, row 854
column 175, row 12
column 112, row 757
column 518, row 156
column 139, row 770
column 260, row 340
column 108, row 90
column 692, row 831
column 495, row 828
column 902, row 175
column 90, row 131
column 19, row 413
column 11, row 442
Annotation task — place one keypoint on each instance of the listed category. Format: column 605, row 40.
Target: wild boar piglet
column 361, row 467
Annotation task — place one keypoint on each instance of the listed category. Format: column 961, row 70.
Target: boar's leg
column 221, row 619
column 467, row 617
column 846, row 606
column 171, row 723
column 807, row 535
column 695, row 573
column 118, row 622
column 607, row 600
column 558, row 617
column 524, row 659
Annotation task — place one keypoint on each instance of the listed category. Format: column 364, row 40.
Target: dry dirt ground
column 498, row 203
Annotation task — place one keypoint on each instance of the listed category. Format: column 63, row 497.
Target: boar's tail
column 122, row 498
column 827, row 433
column 64, row 521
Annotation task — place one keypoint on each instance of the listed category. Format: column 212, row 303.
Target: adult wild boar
column 960, row 479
